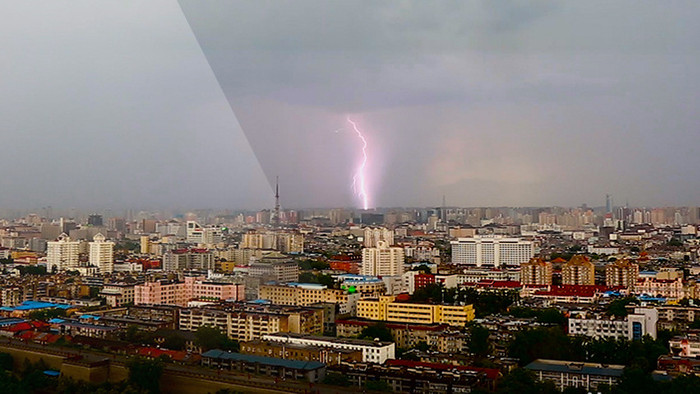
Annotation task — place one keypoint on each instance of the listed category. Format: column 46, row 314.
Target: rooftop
column 303, row 365
column 576, row 367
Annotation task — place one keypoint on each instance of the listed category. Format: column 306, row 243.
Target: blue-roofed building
column 6, row 322
column 576, row 374
column 312, row 371
column 30, row 306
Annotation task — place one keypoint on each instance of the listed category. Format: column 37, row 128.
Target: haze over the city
column 161, row 103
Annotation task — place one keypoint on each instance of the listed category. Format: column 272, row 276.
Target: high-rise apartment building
column 492, row 251
column 536, row 272
column 374, row 235
column 578, row 271
column 102, row 254
column 383, row 260
column 182, row 259
column 622, row 272
column 285, row 242
column 62, row 254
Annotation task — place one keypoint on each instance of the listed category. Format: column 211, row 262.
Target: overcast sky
column 201, row 104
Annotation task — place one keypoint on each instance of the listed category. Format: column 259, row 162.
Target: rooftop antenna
column 276, row 218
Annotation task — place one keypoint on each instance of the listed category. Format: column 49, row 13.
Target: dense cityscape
column 436, row 300
column 335, row 197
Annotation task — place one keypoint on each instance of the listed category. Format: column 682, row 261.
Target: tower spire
column 276, row 218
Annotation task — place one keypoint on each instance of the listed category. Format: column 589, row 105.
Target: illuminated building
column 388, row 309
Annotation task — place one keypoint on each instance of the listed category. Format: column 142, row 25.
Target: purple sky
column 202, row 104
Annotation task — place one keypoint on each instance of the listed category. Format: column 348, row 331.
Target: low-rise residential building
column 165, row 292
column 182, row 259
column 372, row 351
column 247, row 322
column 301, row 352
column 677, row 317
column 576, row 374
column 275, row 267
column 118, row 294
column 686, row 346
column 438, row 336
column 304, row 294
column 404, row 376
column 311, row 371
column 633, row 326
column 666, row 288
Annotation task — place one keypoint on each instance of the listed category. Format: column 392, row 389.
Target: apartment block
column 247, row 322
column 305, row 294
column 632, row 327
column 372, row 351
column 388, row 309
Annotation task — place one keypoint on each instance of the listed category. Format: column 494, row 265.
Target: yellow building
column 578, row 271
column 622, row 272
column 536, row 272
column 227, row 266
column 388, row 309
column 305, row 294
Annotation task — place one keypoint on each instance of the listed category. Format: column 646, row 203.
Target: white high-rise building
column 62, row 254
column 492, row 251
column 372, row 236
column 102, row 254
column 383, row 260
column 198, row 234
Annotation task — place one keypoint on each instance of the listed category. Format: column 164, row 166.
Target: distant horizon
column 180, row 210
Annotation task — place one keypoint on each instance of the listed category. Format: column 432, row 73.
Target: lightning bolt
column 359, row 177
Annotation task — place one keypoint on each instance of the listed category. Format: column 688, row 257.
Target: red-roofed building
column 175, row 355
column 568, row 293
column 498, row 284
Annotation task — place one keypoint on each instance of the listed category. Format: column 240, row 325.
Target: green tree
column 6, row 362
column 518, row 381
column 211, row 338
column 378, row 385
column 379, row 331
column 145, row 374
column 479, row 341
column 336, row 379
column 636, row 381
column 618, row 307
column 550, row 343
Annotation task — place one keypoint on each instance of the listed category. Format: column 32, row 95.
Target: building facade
column 536, row 272
column 386, row 308
column 62, row 254
column 372, row 351
column 491, row 251
column 622, row 272
column 102, row 254
column 578, row 271
column 632, row 327
column 384, row 260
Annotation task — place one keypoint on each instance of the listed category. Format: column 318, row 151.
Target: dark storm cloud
column 505, row 102
column 488, row 102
